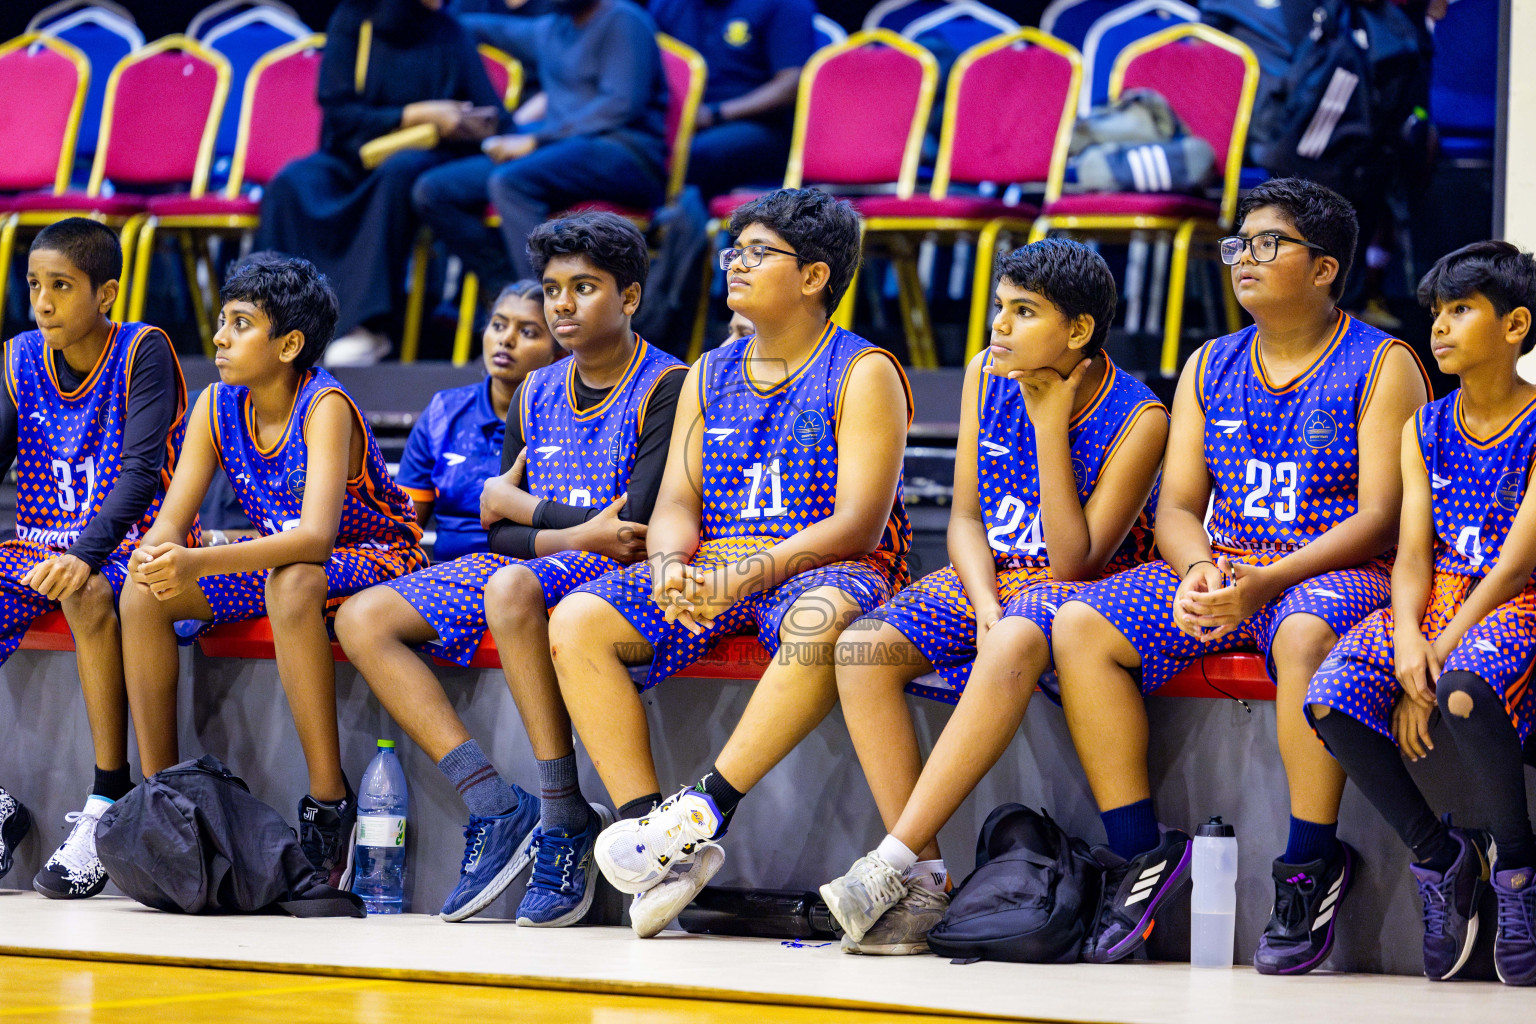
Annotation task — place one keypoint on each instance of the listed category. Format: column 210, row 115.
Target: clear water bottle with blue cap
column 379, row 874
column 1213, row 904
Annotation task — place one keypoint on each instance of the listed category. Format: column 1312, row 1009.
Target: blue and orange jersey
column 771, row 453
column 585, row 456
column 1285, row 461
column 1476, row 484
column 269, row 483
column 69, row 445
column 1008, row 475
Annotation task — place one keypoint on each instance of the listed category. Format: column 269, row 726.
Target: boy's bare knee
column 296, row 592
column 92, row 605
column 359, row 616
column 513, row 597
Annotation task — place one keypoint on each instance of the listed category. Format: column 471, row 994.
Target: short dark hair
column 294, row 295
column 1322, row 216
column 525, row 290
column 1497, row 270
column 90, row 245
column 1071, row 276
column 608, row 241
column 820, row 228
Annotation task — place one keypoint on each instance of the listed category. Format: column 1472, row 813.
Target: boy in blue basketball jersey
column 597, row 425
column 1058, row 455
column 1268, row 429
column 310, row 477
column 761, row 527
column 91, row 416
column 1460, row 635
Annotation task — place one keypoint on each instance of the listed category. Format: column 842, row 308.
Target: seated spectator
column 754, row 50
column 413, row 66
column 456, row 445
column 602, row 136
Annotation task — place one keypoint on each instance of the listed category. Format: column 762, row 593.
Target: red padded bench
column 741, row 657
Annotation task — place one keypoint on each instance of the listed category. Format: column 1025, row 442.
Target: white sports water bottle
column 379, row 874
column 1213, row 905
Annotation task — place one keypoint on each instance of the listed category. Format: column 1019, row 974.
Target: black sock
column 1374, row 763
column 639, row 807
column 1438, row 852
column 1490, row 750
column 725, row 795
column 113, row 784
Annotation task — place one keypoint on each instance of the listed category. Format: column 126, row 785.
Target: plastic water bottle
column 1213, row 905
column 379, row 873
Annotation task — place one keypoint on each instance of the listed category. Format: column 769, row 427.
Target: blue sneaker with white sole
column 496, row 849
column 564, row 881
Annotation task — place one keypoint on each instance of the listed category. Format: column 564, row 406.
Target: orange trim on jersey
column 213, row 422
column 10, row 381
column 1500, row 435
column 746, row 363
column 601, row 407
column 1301, row 378
column 1105, row 384
column 1380, row 360
column 91, row 378
column 842, row 385
column 1418, row 437
column 363, row 486
column 181, row 396
column 1205, row 358
column 248, row 416
column 645, row 401
column 1125, row 430
column 522, row 407
column 420, row 493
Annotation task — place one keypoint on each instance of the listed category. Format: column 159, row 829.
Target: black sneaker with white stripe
column 1301, row 929
column 1134, row 891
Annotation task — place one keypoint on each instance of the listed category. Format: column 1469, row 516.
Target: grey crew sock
column 561, row 807
column 484, row 792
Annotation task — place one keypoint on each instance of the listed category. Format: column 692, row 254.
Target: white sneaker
column 74, row 871
column 902, row 930
column 358, row 347
column 636, row 853
column 870, row 888
column 658, row 906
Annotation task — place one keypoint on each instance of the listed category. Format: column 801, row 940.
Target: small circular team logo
column 1511, row 489
column 296, row 483
column 809, row 428
column 1080, row 473
column 1320, row 429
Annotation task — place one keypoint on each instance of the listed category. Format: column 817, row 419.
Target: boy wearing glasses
column 761, row 527
column 1268, row 426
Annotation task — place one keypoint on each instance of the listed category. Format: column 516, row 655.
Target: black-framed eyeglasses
column 1264, row 246
column 751, row 255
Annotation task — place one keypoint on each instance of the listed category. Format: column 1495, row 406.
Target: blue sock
column 1310, row 841
column 1132, row 829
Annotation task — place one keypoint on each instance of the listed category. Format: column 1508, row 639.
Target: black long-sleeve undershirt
column 517, row 541
column 152, row 408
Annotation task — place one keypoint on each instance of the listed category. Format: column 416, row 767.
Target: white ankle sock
column 895, row 853
column 928, row 874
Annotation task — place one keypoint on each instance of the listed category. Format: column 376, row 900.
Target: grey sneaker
column 902, row 930
column 870, row 888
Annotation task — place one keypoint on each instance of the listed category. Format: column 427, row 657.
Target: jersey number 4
column 64, row 480
column 1271, row 490
column 1009, row 514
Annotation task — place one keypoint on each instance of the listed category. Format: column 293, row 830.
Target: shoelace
column 1436, row 908
column 79, row 850
column 474, row 837
column 1290, row 904
column 882, row 881
column 1515, row 915
column 552, row 872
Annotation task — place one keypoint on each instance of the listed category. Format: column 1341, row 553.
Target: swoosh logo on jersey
column 721, row 432
column 243, row 478
column 37, row 414
column 995, row 449
column 1228, row 427
column 1436, row 481
column 1325, row 592
column 1486, row 647
column 454, row 458
column 547, row 450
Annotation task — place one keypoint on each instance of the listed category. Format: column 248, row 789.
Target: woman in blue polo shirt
column 456, row 445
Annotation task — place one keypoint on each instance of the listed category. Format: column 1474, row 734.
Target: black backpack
column 192, row 839
column 1031, row 898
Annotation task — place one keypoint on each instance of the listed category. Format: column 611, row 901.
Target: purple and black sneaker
column 1514, row 950
column 1450, row 904
column 1134, row 890
column 1300, row 932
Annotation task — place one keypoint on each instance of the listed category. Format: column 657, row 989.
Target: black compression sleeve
column 152, row 408
column 506, row 537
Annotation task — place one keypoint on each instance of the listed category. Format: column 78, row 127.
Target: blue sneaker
column 495, row 851
column 564, row 882
column 1450, row 904
column 1514, row 950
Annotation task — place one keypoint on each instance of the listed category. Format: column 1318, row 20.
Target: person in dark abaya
column 412, row 65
